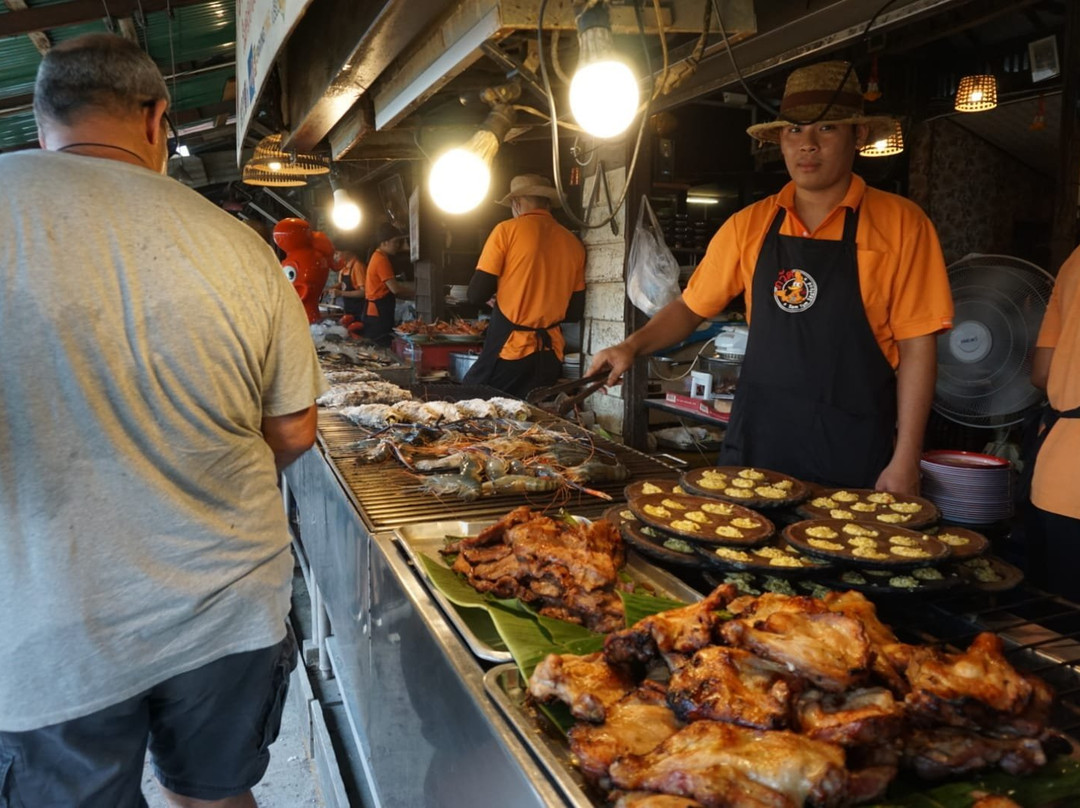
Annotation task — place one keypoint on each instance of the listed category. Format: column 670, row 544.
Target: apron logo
column 794, row 290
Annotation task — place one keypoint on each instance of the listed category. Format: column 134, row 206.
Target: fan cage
column 1001, row 299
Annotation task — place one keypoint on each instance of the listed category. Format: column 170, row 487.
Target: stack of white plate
column 967, row 486
column 571, row 366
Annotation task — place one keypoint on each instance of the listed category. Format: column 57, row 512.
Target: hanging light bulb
column 887, row 145
column 345, row 213
column 976, row 93
column 461, row 176
column 274, row 165
column 604, row 91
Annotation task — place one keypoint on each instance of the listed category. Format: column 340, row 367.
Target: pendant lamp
column 976, row 93
column 887, row 146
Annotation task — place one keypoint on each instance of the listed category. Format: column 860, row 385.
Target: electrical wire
column 683, row 375
column 555, row 159
column 769, row 108
column 659, row 85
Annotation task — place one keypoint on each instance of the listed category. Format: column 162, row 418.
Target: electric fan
column 984, row 362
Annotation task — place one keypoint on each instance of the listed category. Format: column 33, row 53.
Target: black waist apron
column 379, row 327
column 498, row 332
column 816, row 397
column 356, row 306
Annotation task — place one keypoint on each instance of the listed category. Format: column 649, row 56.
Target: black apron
column 380, row 327
column 356, row 306
column 816, row 397
column 498, row 332
column 1035, row 433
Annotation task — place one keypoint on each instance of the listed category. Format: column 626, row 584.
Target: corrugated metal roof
column 187, row 39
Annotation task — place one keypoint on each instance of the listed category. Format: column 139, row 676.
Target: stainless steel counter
column 414, row 695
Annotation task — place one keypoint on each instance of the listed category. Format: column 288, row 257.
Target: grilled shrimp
column 451, row 485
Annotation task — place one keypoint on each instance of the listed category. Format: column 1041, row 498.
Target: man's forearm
column 915, row 378
column 671, row 324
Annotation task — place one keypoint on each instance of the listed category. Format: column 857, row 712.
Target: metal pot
column 460, row 362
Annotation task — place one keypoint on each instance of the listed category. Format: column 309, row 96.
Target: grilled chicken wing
column 864, row 716
column 669, row 634
column 634, row 725
column 724, row 766
column 587, row 684
column 976, row 689
column 945, row 752
column 729, row 684
column 881, row 638
column 829, row 649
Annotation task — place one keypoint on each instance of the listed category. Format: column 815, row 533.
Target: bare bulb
column 460, row 178
column 274, row 165
column 346, row 214
column 604, row 98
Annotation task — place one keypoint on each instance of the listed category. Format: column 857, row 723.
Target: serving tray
column 702, row 519
column 867, row 505
column 427, row 538
column 506, row 687
column 742, row 484
column 858, row 544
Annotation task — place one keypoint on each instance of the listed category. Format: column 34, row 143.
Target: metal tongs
column 561, row 398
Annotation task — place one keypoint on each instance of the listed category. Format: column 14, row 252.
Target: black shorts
column 209, row 732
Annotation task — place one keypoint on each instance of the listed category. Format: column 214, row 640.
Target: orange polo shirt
column 902, row 278
column 539, row 264
column 379, row 271
column 1056, row 485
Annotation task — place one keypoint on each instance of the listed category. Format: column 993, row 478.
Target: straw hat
column 531, row 185
column 809, row 90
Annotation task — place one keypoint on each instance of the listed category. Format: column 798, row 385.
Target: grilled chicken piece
column 724, row 766
column 857, row 717
column 669, row 634
column 634, row 725
column 567, row 571
column 977, row 689
column 729, row 684
column 881, row 638
column 586, row 684
column 761, row 607
column 829, row 649
column 945, row 752
column 648, row 799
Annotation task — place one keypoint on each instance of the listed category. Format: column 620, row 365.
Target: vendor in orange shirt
column 381, row 287
column 1054, row 518
column 845, row 291
column 535, row 268
column 350, row 287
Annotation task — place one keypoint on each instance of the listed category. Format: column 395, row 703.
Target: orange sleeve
column 922, row 301
column 1050, row 331
column 493, row 256
column 717, row 278
column 579, row 276
column 379, row 271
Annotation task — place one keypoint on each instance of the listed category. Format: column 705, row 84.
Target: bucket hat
column 531, row 185
column 811, row 91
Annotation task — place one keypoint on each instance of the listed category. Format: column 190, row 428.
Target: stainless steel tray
column 428, row 538
column 506, row 687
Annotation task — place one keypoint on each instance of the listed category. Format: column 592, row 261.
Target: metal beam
column 76, row 12
column 356, row 43
column 39, row 38
column 803, row 34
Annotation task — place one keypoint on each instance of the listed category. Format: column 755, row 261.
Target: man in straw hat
column 535, row 268
column 145, row 564
column 845, row 291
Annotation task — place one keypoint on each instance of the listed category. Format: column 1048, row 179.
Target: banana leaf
column 1056, row 785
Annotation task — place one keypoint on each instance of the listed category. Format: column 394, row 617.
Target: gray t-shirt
column 144, row 334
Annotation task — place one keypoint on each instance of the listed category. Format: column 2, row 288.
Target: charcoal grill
column 388, row 496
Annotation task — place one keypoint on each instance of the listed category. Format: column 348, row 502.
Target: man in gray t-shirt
column 157, row 371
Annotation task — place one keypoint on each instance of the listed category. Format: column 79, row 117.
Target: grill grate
column 1039, row 630
column 388, row 495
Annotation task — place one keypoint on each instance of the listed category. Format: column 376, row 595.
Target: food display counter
column 438, row 726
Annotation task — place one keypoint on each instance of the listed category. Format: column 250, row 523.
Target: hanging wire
column 172, row 53
column 555, row 158
column 769, row 108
